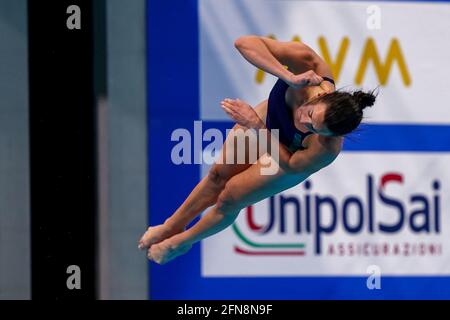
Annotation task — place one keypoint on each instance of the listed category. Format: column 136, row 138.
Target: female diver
column 312, row 119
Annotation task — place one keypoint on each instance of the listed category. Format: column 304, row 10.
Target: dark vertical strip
column 100, row 42
column 62, row 149
column 100, row 88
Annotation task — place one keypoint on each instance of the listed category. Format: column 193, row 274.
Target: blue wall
column 173, row 102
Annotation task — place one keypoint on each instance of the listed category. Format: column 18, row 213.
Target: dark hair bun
column 364, row 99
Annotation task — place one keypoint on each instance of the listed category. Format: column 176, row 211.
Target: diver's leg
column 243, row 189
column 205, row 194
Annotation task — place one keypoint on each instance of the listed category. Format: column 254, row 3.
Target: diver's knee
column 216, row 177
column 228, row 202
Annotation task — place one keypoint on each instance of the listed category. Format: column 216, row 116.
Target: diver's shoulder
column 327, row 145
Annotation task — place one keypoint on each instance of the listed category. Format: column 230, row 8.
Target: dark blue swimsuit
column 279, row 116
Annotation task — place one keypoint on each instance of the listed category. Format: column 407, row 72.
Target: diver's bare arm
column 321, row 152
column 271, row 55
column 245, row 115
column 298, row 56
column 303, row 65
column 319, row 155
column 255, row 51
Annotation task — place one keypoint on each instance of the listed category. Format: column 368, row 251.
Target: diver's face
column 311, row 117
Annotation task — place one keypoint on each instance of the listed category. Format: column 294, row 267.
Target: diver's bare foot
column 156, row 234
column 165, row 251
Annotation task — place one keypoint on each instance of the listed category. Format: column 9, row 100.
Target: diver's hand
column 308, row 78
column 242, row 113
